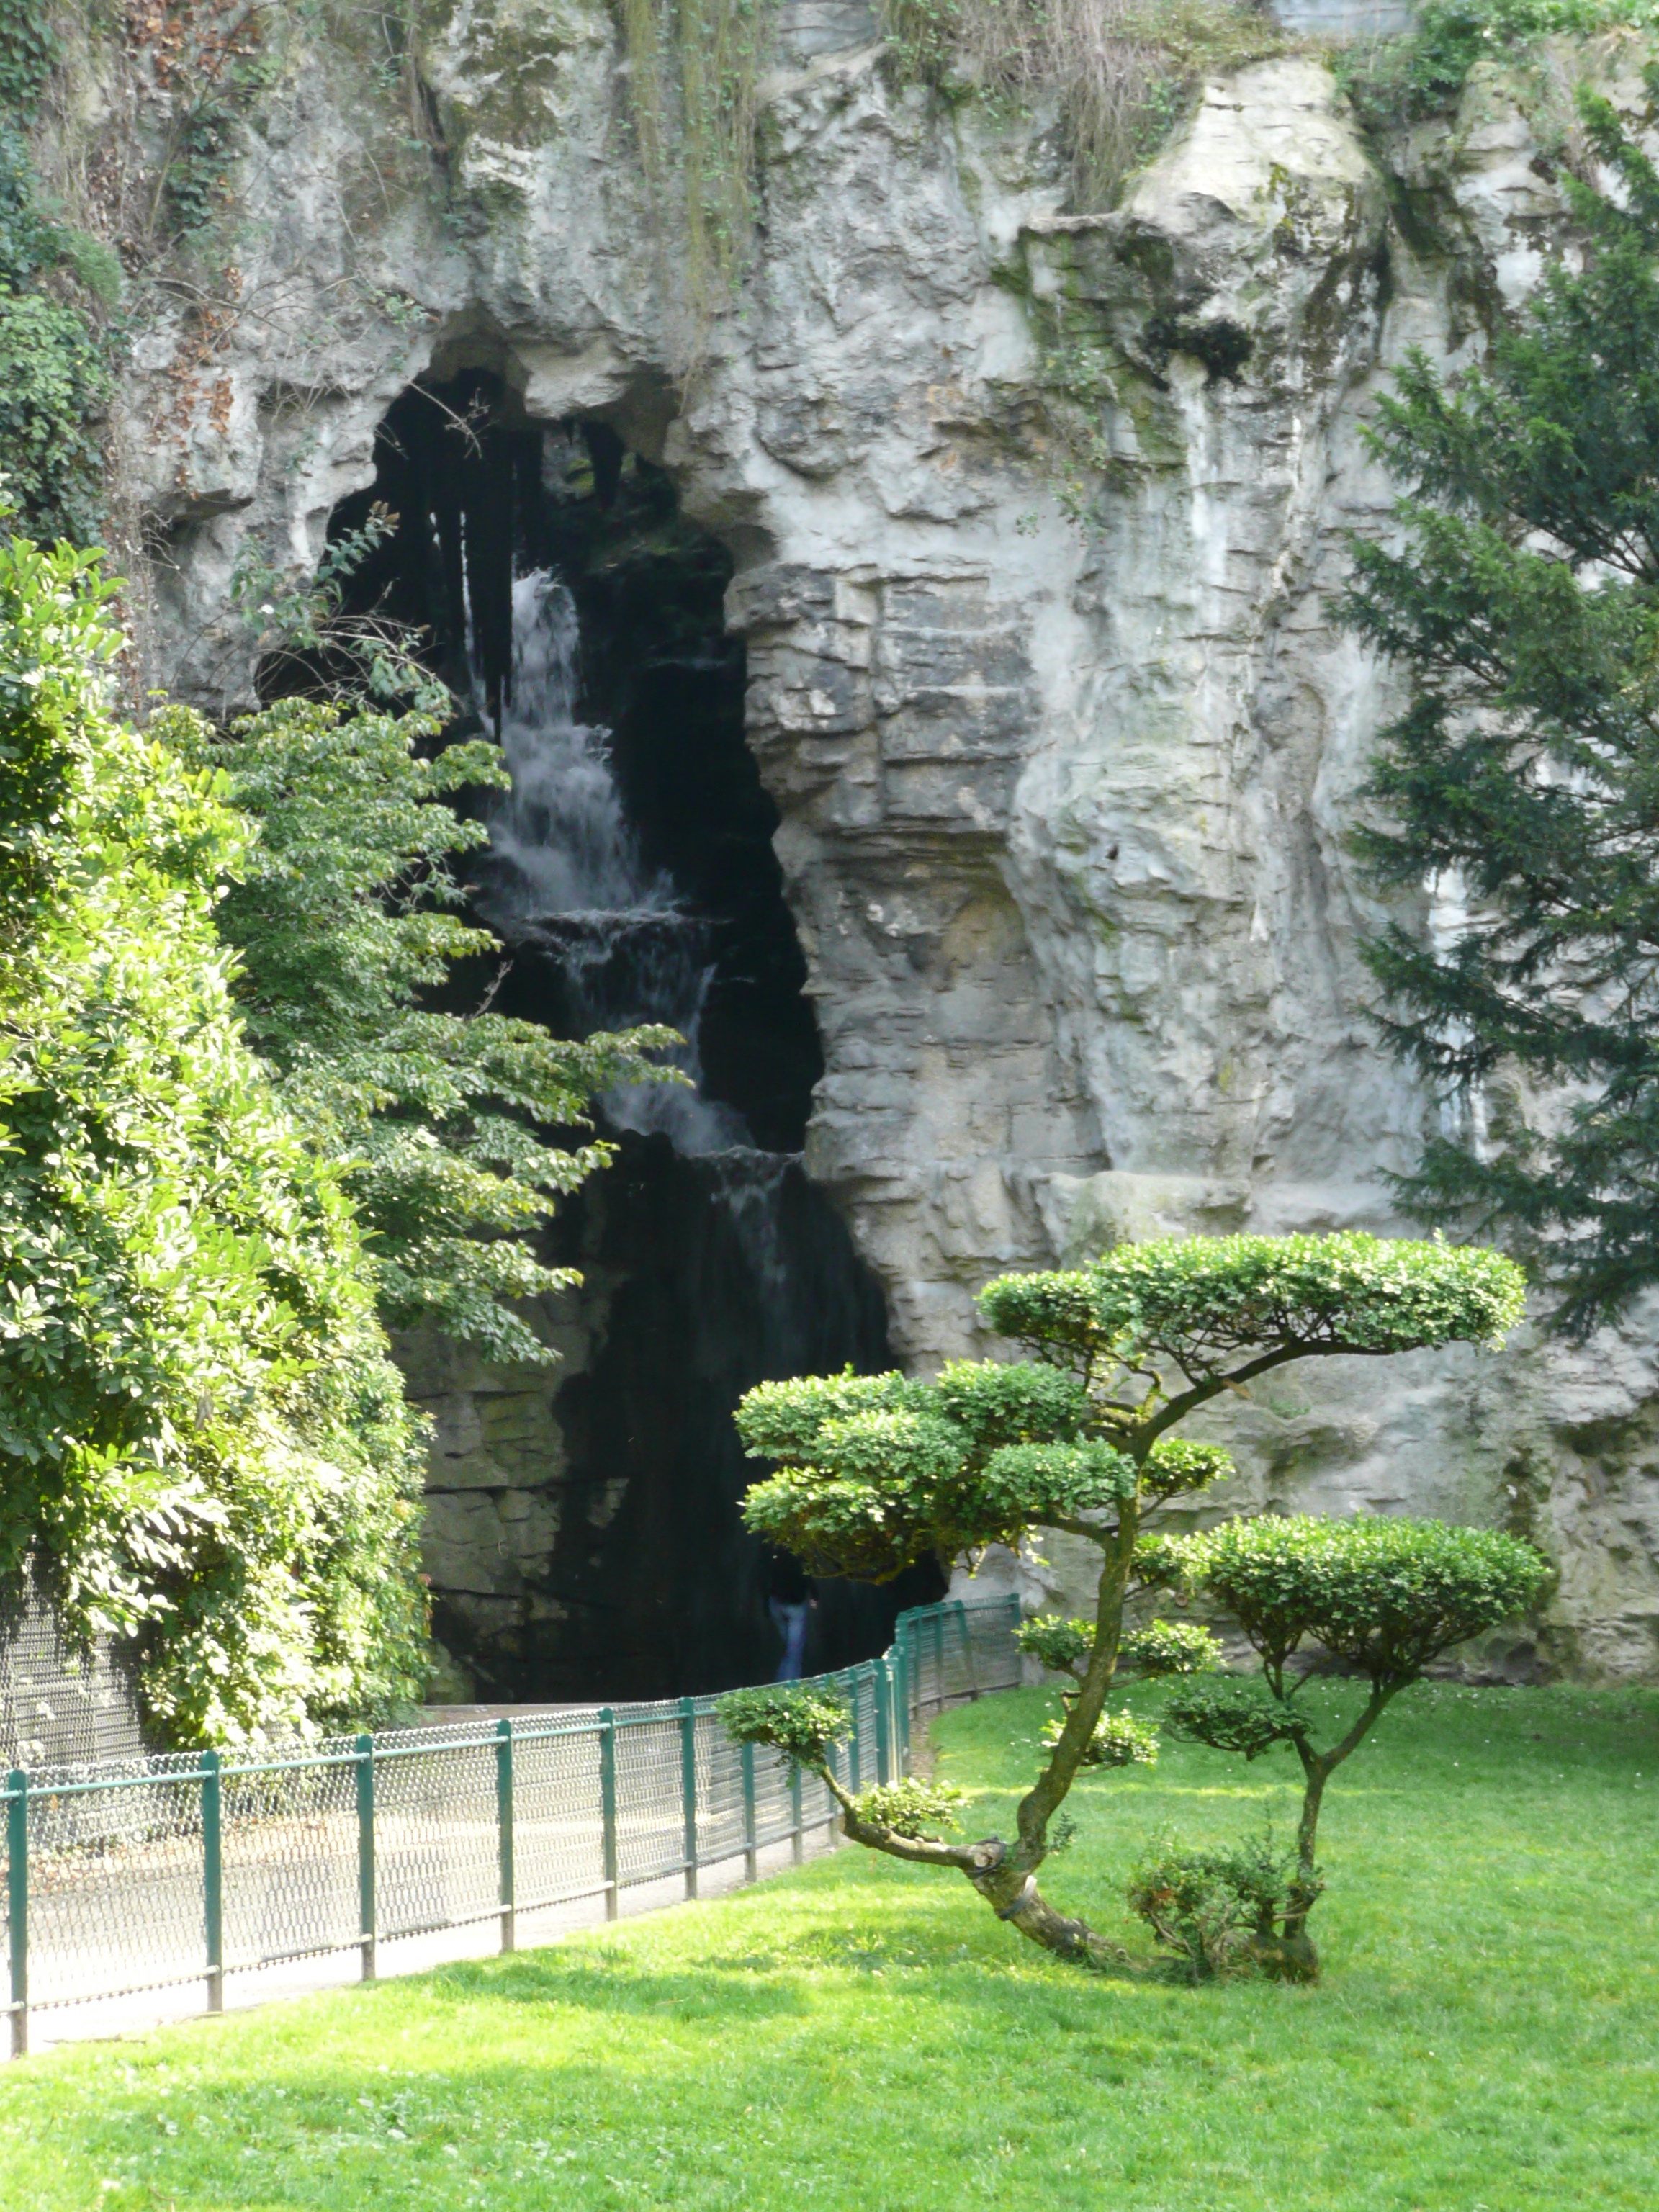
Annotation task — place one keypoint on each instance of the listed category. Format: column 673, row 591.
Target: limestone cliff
column 1062, row 801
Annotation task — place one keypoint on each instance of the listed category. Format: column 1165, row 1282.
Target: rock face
column 1063, row 801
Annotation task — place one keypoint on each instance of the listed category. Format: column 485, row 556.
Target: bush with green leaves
column 1380, row 1599
column 802, row 1721
column 452, row 1132
column 1174, row 1647
column 53, row 375
column 1219, row 1910
column 1119, row 1740
column 205, row 1450
column 873, row 1473
column 910, row 1807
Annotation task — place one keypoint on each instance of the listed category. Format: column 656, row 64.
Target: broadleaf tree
column 874, row 1471
column 204, row 1448
column 456, row 1133
column 1521, row 783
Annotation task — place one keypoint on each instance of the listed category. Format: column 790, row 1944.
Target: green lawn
column 859, row 2037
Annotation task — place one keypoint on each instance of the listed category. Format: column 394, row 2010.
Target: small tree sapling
column 874, row 1471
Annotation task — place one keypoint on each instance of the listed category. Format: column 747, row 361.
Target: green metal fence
column 150, row 1872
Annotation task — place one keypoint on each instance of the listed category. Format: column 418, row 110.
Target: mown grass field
column 860, row 2037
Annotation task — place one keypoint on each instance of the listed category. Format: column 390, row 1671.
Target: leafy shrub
column 1395, row 81
column 1216, row 1909
column 1118, row 1740
column 53, row 377
column 343, row 914
column 1385, row 1593
column 53, row 384
column 203, row 1446
column 1234, row 1716
column 803, row 1723
column 1060, row 1645
column 1174, row 1647
column 911, row 1807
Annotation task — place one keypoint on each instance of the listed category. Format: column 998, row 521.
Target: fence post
column 968, row 1650
column 608, row 1810
column 750, row 1848
column 213, row 1878
column 689, row 1788
column 883, row 1722
column 504, row 1832
column 17, row 1896
column 901, row 1693
column 939, row 1658
column 855, row 1761
column 797, row 1831
column 366, row 1854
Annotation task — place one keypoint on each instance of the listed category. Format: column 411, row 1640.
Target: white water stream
column 567, row 876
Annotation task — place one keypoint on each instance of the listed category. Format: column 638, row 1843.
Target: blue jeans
column 790, row 1621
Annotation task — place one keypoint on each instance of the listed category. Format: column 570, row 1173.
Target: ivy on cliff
column 53, row 379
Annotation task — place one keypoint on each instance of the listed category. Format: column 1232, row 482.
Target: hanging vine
column 694, row 76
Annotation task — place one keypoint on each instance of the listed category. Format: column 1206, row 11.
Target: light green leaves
column 802, row 1723
column 1174, row 1647
column 1387, row 1594
column 202, row 1443
column 1119, row 1740
column 1060, row 1645
column 911, row 1807
column 1205, row 1304
column 344, row 912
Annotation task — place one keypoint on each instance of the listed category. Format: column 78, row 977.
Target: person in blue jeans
column 790, row 1601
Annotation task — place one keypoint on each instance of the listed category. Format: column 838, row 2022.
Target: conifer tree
column 1521, row 785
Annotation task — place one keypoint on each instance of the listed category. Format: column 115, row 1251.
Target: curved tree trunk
column 1004, row 1875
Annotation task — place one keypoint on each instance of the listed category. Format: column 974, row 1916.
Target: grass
column 860, row 2037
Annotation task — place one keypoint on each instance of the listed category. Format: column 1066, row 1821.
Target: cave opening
column 576, row 613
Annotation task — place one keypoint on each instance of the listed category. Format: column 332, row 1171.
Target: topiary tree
column 875, row 1471
column 1382, row 1598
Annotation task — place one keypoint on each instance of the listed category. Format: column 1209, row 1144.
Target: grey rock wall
column 1063, row 803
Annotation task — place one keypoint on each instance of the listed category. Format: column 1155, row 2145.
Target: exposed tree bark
column 1006, row 1875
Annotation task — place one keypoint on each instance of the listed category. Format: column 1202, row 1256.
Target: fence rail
column 159, row 1870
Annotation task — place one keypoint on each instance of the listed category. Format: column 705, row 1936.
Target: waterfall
column 565, row 875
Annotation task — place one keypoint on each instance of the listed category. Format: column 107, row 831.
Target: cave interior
column 703, row 1275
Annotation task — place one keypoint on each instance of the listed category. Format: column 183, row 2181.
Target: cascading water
column 591, row 1544
column 565, row 876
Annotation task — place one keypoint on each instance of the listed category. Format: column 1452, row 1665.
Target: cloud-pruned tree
column 874, row 1471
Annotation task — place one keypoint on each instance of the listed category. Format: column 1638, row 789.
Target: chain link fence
column 135, row 1874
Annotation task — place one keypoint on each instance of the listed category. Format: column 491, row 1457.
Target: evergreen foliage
column 1523, row 779
column 450, row 1129
column 874, row 1471
column 53, row 381
column 203, row 1447
column 1386, row 1598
